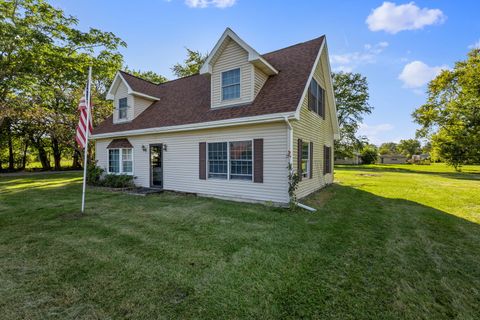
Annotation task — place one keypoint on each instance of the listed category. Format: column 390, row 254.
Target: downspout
column 290, row 157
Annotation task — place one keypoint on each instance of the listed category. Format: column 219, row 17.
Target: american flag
column 81, row 136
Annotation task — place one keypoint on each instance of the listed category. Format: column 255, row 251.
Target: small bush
column 117, row 181
column 94, row 174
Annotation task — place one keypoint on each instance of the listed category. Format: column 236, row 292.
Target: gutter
column 197, row 126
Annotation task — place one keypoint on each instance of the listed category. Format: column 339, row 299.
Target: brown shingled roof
column 187, row 100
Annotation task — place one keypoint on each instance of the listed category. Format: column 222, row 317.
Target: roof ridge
column 294, row 45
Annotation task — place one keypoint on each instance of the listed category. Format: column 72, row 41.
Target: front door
column 156, row 166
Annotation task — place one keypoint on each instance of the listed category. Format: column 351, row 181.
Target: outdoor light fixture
column 144, row 148
column 164, row 147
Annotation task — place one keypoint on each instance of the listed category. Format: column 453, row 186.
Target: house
column 354, row 159
column 230, row 131
column 392, row 159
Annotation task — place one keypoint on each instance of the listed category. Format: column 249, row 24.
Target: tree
column 147, row 75
column 369, row 154
column 39, row 101
column 388, row 148
column 351, row 97
column 191, row 65
column 409, row 147
column 450, row 118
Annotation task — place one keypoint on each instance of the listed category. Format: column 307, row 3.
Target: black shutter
column 299, row 159
column 324, row 160
column 202, row 161
column 311, row 99
column 258, row 160
column 311, row 160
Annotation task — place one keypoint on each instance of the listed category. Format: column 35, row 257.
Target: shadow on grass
column 412, row 169
column 359, row 256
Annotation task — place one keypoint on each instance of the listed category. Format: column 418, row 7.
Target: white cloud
column 208, row 3
column 416, row 74
column 476, row 45
column 349, row 61
column 375, row 133
column 392, row 18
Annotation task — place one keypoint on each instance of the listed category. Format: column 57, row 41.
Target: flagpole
column 87, row 131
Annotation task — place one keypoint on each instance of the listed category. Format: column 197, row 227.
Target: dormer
column 237, row 71
column 128, row 103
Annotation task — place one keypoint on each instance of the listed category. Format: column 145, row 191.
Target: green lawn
column 387, row 242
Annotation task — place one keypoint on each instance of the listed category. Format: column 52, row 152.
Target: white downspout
column 290, row 157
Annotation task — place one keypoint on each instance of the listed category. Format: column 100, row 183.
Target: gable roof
column 253, row 56
column 135, row 86
column 186, row 100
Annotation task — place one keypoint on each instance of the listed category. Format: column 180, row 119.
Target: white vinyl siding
column 181, row 162
column 313, row 128
column 139, row 105
column 232, row 56
column 122, row 92
column 260, row 79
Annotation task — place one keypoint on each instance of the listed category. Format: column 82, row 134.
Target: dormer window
column 231, row 84
column 122, row 108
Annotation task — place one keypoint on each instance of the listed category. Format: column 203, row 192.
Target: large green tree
column 409, row 147
column 451, row 116
column 351, row 97
column 191, row 65
column 388, row 148
column 147, row 75
column 44, row 62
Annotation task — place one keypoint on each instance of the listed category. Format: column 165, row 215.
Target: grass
column 387, row 242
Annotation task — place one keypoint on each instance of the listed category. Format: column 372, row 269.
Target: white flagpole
column 87, row 131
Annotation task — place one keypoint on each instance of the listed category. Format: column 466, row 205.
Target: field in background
column 387, row 242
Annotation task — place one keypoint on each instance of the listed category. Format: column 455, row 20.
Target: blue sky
column 398, row 46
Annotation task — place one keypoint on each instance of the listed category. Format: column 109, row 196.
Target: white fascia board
column 330, row 92
column 334, row 118
column 135, row 93
column 203, row 125
column 118, row 77
column 310, row 77
column 252, row 54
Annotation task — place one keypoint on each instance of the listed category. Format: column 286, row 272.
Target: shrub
column 117, row 181
column 369, row 155
column 94, row 174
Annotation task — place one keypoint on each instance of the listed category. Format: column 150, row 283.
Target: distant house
column 392, row 159
column 420, row 157
column 231, row 131
column 355, row 159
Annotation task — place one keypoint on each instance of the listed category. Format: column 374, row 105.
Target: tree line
column 44, row 58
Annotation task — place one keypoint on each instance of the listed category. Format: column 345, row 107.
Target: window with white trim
column 218, row 160
column 231, row 84
column 120, row 161
column 241, row 160
column 122, row 108
column 305, row 159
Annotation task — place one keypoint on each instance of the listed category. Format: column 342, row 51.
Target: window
column 218, row 160
column 241, row 160
column 113, row 160
column 231, row 84
column 122, row 108
column 316, row 98
column 305, row 159
column 230, row 160
column 120, row 161
column 127, row 163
